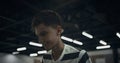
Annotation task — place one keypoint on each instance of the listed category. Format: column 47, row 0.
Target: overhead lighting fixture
column 21, row 49
column 66, row 38
column 33, row 54
column 42, row 52
column 71, row 40
column 77, row 42
column 15, row 53
column 118, row 34
column 103, row 47
column 102, row 42
column 87, row 35
column 35, row 44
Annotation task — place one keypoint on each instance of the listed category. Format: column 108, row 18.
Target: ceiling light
column 103, row 42
column 66, row 38
column 33, row 54
column 21, row 49
column 42, row 52
column 103, row 47
column 15, row 53
column 118, row 34
column 87, row 35
column 77, row 42
column 35, row 44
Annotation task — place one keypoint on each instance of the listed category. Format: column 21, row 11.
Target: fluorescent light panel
column 42, row 52
column 33, row 54
column 77, row 42
column 35, row 44
column 21, row 49
column 87, row 35
column 103, row 47
column 66, row 38
column 71, row 40
column 102, row 42
column 15, row 53
column 118, row 34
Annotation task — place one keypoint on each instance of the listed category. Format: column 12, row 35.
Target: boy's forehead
column 40, row 28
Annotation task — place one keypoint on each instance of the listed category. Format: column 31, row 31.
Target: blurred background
column 93, row 25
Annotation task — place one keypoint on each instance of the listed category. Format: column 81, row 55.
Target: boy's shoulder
column 70, row 49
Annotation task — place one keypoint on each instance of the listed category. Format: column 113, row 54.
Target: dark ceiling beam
column 8, row 19
column 14, row 24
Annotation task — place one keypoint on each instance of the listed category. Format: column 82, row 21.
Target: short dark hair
column 48, row 18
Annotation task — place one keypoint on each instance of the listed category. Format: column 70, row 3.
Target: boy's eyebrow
column 43, row 32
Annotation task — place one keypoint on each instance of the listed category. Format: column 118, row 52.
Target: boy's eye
column 44, row 33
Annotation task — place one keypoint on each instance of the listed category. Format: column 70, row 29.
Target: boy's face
column 47, row 35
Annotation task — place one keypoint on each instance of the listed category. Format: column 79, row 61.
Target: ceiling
column 98, row 18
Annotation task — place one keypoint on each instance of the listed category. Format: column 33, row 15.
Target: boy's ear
column 59, row 30
column 62, row 31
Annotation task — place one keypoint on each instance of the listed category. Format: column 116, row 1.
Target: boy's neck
column 57, row 50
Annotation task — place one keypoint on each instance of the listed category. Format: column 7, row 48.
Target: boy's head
column 47, row 26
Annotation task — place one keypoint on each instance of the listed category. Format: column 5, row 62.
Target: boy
column 48, row 28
